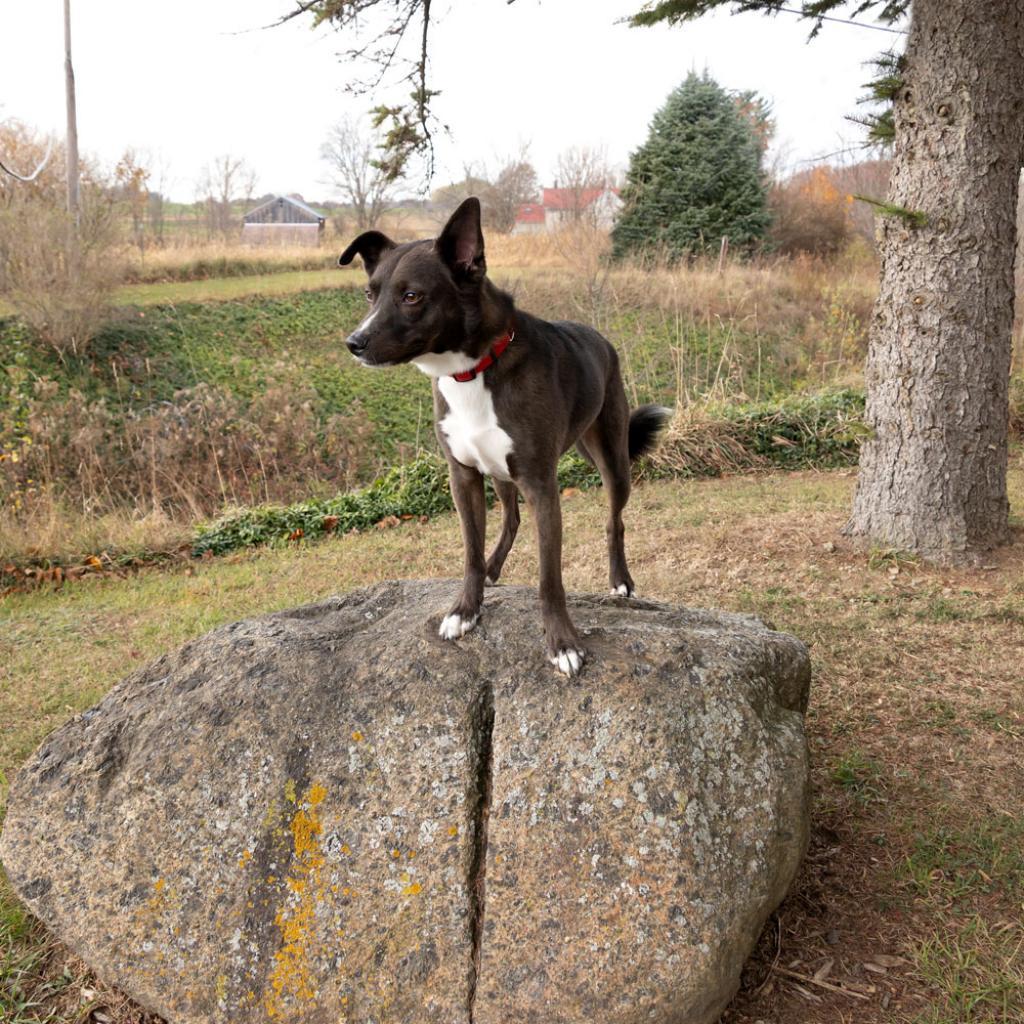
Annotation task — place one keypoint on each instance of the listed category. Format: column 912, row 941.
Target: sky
column 185, row 82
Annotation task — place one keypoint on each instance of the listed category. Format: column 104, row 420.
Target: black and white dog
column 511, row 394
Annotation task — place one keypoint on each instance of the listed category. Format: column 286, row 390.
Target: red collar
column 488, row 360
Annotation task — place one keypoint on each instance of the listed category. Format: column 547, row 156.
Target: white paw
column 488, row 582
column 568, row 661
column 622, row 590
column 453, row 626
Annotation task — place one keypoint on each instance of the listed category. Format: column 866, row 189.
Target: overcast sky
column 188, row 80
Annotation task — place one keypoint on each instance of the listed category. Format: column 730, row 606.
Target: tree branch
column 39, row 169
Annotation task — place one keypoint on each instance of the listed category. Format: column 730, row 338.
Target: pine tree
column 697, row 178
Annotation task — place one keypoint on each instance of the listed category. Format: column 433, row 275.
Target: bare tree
column 446, row 198
column 63, row 292
column 225, row 180
column 131, row 185
column 160, row 178
column 350, row 153
column 582, row 170
column 501, row 192
column 514, row 184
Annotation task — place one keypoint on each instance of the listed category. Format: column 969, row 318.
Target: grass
column 915, row 722
column 219, row 289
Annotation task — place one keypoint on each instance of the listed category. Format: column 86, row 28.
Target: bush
column 194, row 453
column 811, row 213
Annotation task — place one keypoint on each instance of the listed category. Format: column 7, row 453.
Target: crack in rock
column 483, row 727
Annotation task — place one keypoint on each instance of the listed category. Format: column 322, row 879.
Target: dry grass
column 52, row 532
column 911, row 892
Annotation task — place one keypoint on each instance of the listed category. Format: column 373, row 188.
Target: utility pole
column 72, row 136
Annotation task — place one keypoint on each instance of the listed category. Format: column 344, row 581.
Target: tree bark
column 933, row 475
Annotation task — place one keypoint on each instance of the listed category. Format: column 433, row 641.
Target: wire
column 843, row 21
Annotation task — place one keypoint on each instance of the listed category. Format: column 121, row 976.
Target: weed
column 859, row 776
column 977, row 972
column 959, row 864
column 891, row 559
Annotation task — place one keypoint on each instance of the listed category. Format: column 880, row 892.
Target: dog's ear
column 461, row 243
column 371, row 245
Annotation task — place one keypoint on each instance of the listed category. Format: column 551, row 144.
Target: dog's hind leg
column 468, row 491
column 509, row 495
column 606, row 442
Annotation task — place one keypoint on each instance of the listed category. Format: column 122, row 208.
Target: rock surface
column 331, row 815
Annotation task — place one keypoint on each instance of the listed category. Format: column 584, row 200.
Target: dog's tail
column 644, row 426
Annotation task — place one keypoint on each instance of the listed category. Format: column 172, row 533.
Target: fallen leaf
column 823, row 971
column 889, row 961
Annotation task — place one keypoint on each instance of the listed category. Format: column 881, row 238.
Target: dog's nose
column 357, row 342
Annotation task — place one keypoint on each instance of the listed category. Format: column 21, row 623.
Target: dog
column 511, row 393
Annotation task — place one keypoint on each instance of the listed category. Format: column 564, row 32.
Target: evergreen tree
column 697, row 178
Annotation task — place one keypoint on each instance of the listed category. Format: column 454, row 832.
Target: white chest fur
column 471, row 427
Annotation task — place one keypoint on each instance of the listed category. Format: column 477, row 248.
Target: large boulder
column 331, row 816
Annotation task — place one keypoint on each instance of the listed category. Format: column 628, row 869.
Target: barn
column 283, row 220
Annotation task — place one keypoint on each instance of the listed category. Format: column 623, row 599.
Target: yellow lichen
column 454, row 830
column 357, row 736
column 292, row 980
column 413, row 889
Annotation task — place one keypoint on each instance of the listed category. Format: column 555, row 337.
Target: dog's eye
column 411, row 298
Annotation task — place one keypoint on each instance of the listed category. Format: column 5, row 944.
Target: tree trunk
column 933, row 475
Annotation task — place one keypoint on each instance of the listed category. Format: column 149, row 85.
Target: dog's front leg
column 564, row 649
column 468, row 491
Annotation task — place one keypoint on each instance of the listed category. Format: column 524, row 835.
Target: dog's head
column 424, row 296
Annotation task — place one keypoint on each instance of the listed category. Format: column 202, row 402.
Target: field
column 908, row 908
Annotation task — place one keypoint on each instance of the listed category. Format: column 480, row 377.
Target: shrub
column 811, row 213
column 194, row 453
column 821, row 430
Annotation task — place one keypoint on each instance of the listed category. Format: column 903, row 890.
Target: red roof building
column 530, row 213
column 571, row 199
column 559, row 206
